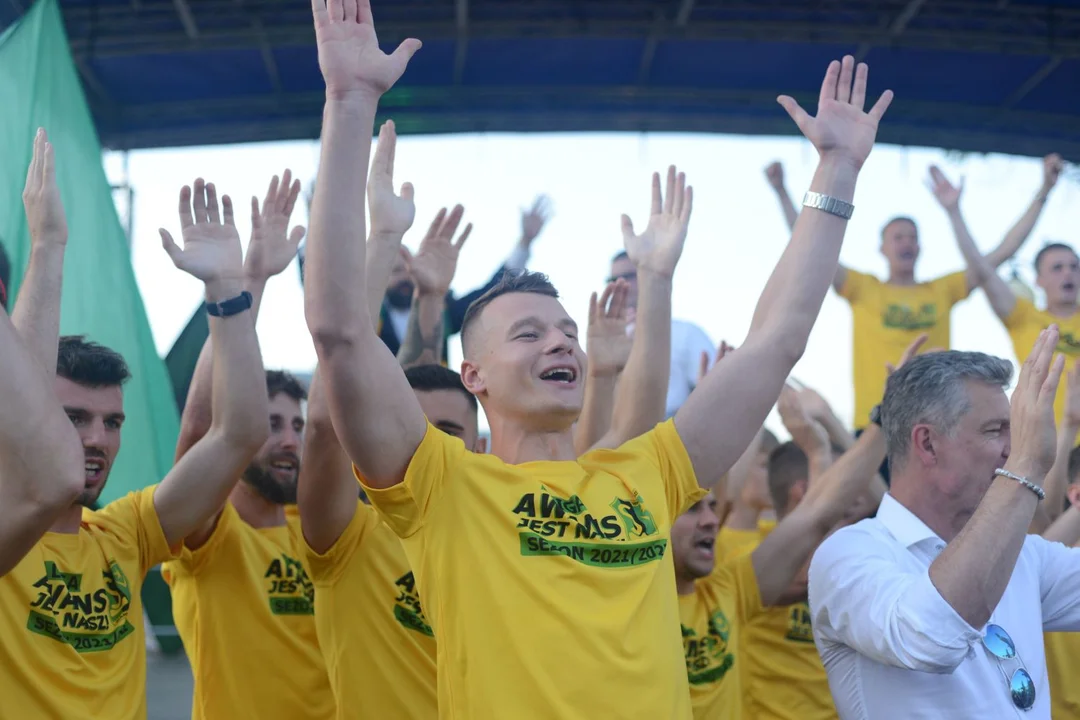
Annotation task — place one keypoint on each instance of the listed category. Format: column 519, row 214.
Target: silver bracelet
column 1023, row 481
column 828, row 204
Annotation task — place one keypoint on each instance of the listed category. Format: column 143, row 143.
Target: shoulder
column 865, row 539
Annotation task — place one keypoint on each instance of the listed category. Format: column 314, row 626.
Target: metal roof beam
column 186, row 19
column 1032, row 82
column 461, row 46
column 895, row 28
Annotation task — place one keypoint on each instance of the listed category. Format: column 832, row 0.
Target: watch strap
column 828, row 204
column 230, row 307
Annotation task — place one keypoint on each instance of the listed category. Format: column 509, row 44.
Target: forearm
column 974, row 569
column 1019, row 232
column 841, row 485
column 596, row 412
column 791, row 213
column 642, row 393
column 382, row 251
column 423, row 343
column 978, row 269
column 839, row 435
column 1066, row 528
column 1057, row 480
column 37, row 311
column 335, row 291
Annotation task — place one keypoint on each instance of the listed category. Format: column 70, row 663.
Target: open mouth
column 94, row 469
column 1069, row 287
column 287, row 464
column 907, row 255
column 564, row 375
column 706, row 544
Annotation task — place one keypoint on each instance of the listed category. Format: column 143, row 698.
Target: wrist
column 603, row 373
column 352, row 101
column 1024, row 468
column 223, row 288
column 421, row 295
column 381, row 235
column 649, row 273
column 836, row 177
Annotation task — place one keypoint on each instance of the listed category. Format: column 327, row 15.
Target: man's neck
column 254, row 509
column 1061, row 308
column 684, row 585
column 514, row 444
column 901, row 278
column 69, row 522
column 926, row 505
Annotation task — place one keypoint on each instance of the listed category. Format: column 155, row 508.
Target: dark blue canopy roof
column 973, row 75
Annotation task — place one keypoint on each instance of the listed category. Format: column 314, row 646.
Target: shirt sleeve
column 861, row 598
column 1021, row 314
column 954, row 287
column 1059, row 584
column 736, row 579
column 192, row 561
column 855, row 285
column 327, row 567
column 732, row 543
column 405, row 507
column 135, row 516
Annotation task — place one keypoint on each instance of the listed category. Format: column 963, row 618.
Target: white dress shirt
column 688, row 341
column 894, row 649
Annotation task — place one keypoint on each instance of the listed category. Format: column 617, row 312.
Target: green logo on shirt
column 902, row 317
column 87, row 621
column 407, row 610
column 707, row 658
column 799, row 628
column 291, row 591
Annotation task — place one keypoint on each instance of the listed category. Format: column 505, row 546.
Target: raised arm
column 609, row 348
column 819, row 409
column 37, row 309
column 432, row 270
column 377, row 417
column 979, row 270
column 1057, row 479
column 640, row 400
column 719, row 419
column 271, row 249
column 188, row 499
column 1018, row 233
column 392, row 215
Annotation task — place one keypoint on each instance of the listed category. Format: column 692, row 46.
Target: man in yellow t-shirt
column 1063, row 648
column 378, row 644
column 241, row 589
column 543, row 574
column 70, row 611
column 888, row 315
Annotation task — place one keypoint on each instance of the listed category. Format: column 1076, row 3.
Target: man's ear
column 471, row 377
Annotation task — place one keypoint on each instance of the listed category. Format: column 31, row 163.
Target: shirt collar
column 904, row 525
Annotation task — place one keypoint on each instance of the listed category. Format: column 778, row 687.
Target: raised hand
column 1034, row 441
column 391, row 215
column 947, row 194
column 659, row 247
column 608, row 342
column 808, row 433
column 349, row 56
column 1071, row 418
column 774, row 173
column 272, row 246
column 841, row 129
column 432, row 268
column 211, row 244
column 534, row 219
column 41, row 196
column 703, row 365
column 816, row 406
column 911, row 351
column 1053, row 166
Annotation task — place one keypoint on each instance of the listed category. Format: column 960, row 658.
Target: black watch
column 875, row 415
column 230, row 307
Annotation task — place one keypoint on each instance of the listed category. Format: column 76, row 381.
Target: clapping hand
column 432, row 268
column 1034, row 440
column 391, row 215
column 808, row 433
column 352, row 64
column 660, row 246
column 211, row 244
column 534, row 219
column 608, row 342
column 272, row 245
column 947, row 194
column 41, row 196
column 841, row 130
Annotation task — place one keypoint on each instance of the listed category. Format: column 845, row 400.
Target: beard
column 88, row 498
column 400, row 296
column 263, row 482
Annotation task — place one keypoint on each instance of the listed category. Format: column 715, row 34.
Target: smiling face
column 97, row 414
column 274, row 470
column 693, row 539
column 524, row 362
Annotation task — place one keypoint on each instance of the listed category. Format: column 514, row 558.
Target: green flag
column 40, row 88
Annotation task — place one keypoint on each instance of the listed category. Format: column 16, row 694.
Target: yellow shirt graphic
column 886, row 319
column 71, row 617
column 1062, row 652
column 1025, row 323
column 712, row 619
column 549, row 584
column 379, row 647
column 243, row 603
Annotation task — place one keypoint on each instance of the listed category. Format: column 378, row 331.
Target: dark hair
column 769, row 441
column 280, row 381
column 5, row 277
column 898, row 218
column 1074, row 465
column 90, row 364
column 525, row 282
column 621, row 255
column 426, row 378
column 1047, row 248
column 788, row 465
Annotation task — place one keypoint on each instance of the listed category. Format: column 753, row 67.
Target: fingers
column 297, row 235
column 843, row 85
column 670, row 190
column 617, row 309
column 723, row 350
column 213, row 212
column 198, row 201
column 407, row 191
column 913, row 349
column 256, row 216
column 858, row 92
column 450, row 224
column 227, row 210
column 167, row 242
column 1048, row 390
column 605, row 297
column 594, row 306
column 405, row 51
column 433, row 230
column 33, row 172
column 363, row 12
column 48, row 169
column 687, row 205
column 703, row 366
column 290, row 198
column 284, row 189
column 186, row 219
column 680, row 195
column 351, row 11
column 463, row 237
column 335, row 9
column 381, row 165
column 657, row 205
column 318, row 9
column 828, row 85
column 878, row 111
column 795, row 111
column 391, row 132
column 627, row 226
column 271, row 194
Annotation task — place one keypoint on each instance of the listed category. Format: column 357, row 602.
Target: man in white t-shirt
column 688, row 341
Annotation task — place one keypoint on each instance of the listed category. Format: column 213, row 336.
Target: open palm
column 349, row 54
column 608, row 342
column 841, row 129
column 211, row 244
column 273, row 247
column 391, row 214
column 946, row 193
column 432, row 268
column 45, row 216
column 660, row 246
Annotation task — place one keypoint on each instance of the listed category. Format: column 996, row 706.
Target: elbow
column 69, row 469
column 786, row 339
column 247, row 432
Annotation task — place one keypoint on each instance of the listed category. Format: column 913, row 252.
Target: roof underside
column 986, row 75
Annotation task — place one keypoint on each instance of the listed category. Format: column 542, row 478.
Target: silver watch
column 829, row 204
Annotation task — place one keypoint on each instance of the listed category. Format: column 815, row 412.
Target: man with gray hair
column 936, row 607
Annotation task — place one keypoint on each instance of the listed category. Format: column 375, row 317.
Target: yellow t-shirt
column 243, row 603
column 549, row 584
column 712, row 618
column 732, row 543
column 886, row 319
column 71, row 617
column 1062, row 657
column 379, row 647
column 1025, row 323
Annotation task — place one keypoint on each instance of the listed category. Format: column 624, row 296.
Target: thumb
column 627, row 228
column 174, row 251
column 794, row 111
column 407, row 191
column 297, row 235
column 405, row 51
column 256, row 216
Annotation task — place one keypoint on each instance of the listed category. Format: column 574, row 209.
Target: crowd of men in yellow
column 405, row 570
